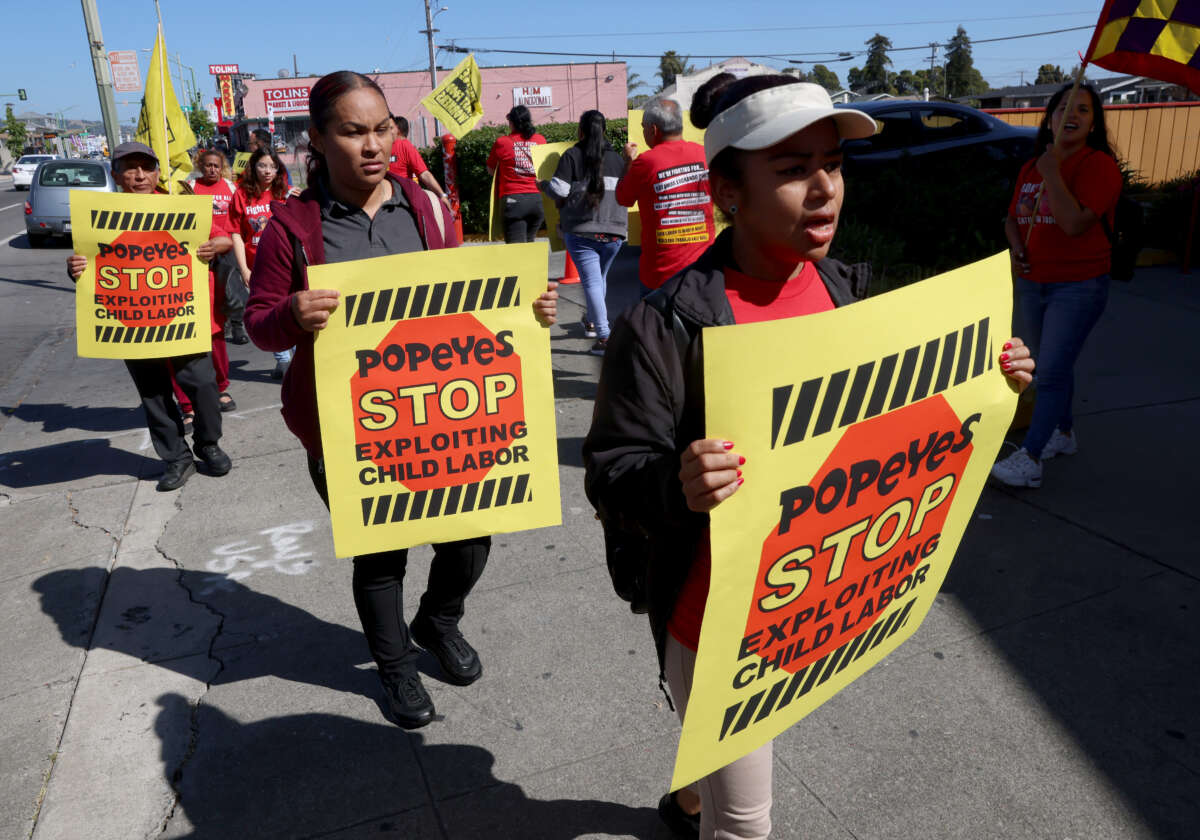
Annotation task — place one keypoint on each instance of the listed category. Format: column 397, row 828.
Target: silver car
column 48, row 210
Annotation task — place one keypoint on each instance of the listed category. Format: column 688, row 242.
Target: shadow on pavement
column 56, row 417
column 41, row 284
column 71, row 461
column 316, row 774
column 240, row 370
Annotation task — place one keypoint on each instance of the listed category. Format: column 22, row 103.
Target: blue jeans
column 1058, row 318
column 283, row 356
column 593, row 259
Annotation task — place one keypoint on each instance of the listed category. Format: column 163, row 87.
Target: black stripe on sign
column 813, row 674
column 981, row 347
column 468, row 503
column 382, row 505
column 400, row 305
column 502, row 491
column 99, row 327
column 907, row 368
column 485, row 494
column 452, row 500
column 858, row 390
column 472, row 295
column 125, row 217
column 868, row 640
column 851, row 651
column 887, row 367
column 829, row 406
column 108, row 331
column 381, row 306
column 489, row 294
column 456, row 290
column 348, row 309
column 364, row 308
column 99, row 217
column 806, row 401
column 435, row 502
column 171, row 330
column 418, row 504
column 140, row 335
column 162, row 330
column 435, row 299
column 158, row 221
column 964, row 354
column 748, row 712
column 519, row 490
column 169, row 222
column 506, row 294
column 833, row 661
column 925, row 377
column 129, row 333
column 793, row 687
column 400, row 508
column 730, row 714
column 769, row 704
column 191, row 222
column 191, row 330
column 779, row 404
column 417, row 310
column 949, row 347
column 367, row 504
column 136, row 224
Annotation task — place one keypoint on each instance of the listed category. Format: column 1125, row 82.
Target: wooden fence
column 1161, row 141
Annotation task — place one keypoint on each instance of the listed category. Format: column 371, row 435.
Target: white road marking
column 11, row 206
column 11, row 238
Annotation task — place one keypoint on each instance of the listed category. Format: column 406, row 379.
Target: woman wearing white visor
column 773, row 151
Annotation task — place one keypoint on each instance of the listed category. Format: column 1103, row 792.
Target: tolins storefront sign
column 285, row 100
column 533, row 96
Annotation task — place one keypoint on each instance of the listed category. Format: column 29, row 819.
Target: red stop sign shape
column 144, row 279
column 855, row 538
column 439, row 402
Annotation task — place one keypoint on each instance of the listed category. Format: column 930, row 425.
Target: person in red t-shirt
column 262, row 182
column 516, row 179
column 406, row 162
column 669, row 184
column 773, row 152
column 1061, row 258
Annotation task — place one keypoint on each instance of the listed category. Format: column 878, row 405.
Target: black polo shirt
column 350, row 234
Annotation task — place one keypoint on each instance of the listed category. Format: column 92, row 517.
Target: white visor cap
column 763, row 119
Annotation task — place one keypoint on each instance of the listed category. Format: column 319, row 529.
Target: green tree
column 826, row 78
column 201, row 122
column 632, row 82
column 671, row 65
column 16, row 132
column 1050, row 74
column 875, row 72
column 962, row 78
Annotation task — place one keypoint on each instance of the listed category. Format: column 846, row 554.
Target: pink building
column 552, row 92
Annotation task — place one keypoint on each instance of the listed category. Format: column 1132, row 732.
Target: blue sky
column 45, row 49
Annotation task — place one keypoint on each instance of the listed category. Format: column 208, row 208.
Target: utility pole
column 104, row 88
column 429, row 30
column 295, row 67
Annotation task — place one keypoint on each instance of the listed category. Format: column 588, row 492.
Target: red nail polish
column 1004, row 357
column 1006, row 366
column 741, row 460
column 1007, row 345
column 740, row 482
column 739, row 472
column 728, row 445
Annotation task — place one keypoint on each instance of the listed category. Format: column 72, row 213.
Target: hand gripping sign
column 868, row 434
column 435, row 398
column 144, row 294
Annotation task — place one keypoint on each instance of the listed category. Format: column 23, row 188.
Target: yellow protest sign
column 144, row 294
column 868, row 433
column 435, row 397
column 239, row 163
column 690, row 132
column 457, row 100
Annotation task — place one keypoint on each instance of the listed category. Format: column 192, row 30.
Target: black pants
column 378, row 585
column 195, row 375
column 523, row 217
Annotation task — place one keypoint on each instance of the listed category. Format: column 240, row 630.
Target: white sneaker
column 1060, row 444
column 1018, row 470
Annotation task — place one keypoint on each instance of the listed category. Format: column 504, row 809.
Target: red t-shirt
column 751, row 300
column 1093, row 178
column 248, row 217
column 222, row 194
column 669, row 183
column 406, row 161
column 512, row 159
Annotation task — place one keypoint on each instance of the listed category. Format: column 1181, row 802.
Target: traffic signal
column 21, row 94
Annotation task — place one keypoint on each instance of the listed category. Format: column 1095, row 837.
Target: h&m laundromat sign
column 533, row 96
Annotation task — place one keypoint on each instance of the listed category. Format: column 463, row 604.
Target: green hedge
column 472, row 151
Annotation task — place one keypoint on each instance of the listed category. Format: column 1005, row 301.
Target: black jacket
column 650, row 407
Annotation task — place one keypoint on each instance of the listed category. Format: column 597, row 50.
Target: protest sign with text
column 435, row 397
column 144, row 294
column 868, row 433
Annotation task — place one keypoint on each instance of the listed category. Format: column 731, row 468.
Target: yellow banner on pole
column 435, row 397
column 458, row 100
column 144, row 294
column 162, row 125
column 860, row 478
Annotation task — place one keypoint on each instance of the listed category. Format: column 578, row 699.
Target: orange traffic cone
column 570, row 272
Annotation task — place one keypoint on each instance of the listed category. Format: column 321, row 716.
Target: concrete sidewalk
column 191, row 665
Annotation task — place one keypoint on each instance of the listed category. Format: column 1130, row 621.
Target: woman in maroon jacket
column 354, row 210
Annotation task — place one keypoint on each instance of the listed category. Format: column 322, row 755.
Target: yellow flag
column 162, row 125
column 458, row 101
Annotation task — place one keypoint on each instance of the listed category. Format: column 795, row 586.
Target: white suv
column 24, row 168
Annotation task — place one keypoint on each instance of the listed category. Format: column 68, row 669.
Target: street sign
column 126, row 76
column 222, row 70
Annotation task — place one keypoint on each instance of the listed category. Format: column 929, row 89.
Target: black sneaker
column 216, row 462
column 176, row 475
column 681, row 823
column 458, row 659
column 408, row 701
column 237, row 334
column 281, row 369
column 599, row 348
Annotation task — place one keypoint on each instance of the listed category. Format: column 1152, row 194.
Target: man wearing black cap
column 135, row 167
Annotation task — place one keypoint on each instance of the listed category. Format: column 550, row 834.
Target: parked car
column 24, row 168
column 48, row 210
column 932, row 129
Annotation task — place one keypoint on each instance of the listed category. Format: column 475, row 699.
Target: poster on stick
column 144, row 293
column 868, row 436
column 435, row 397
